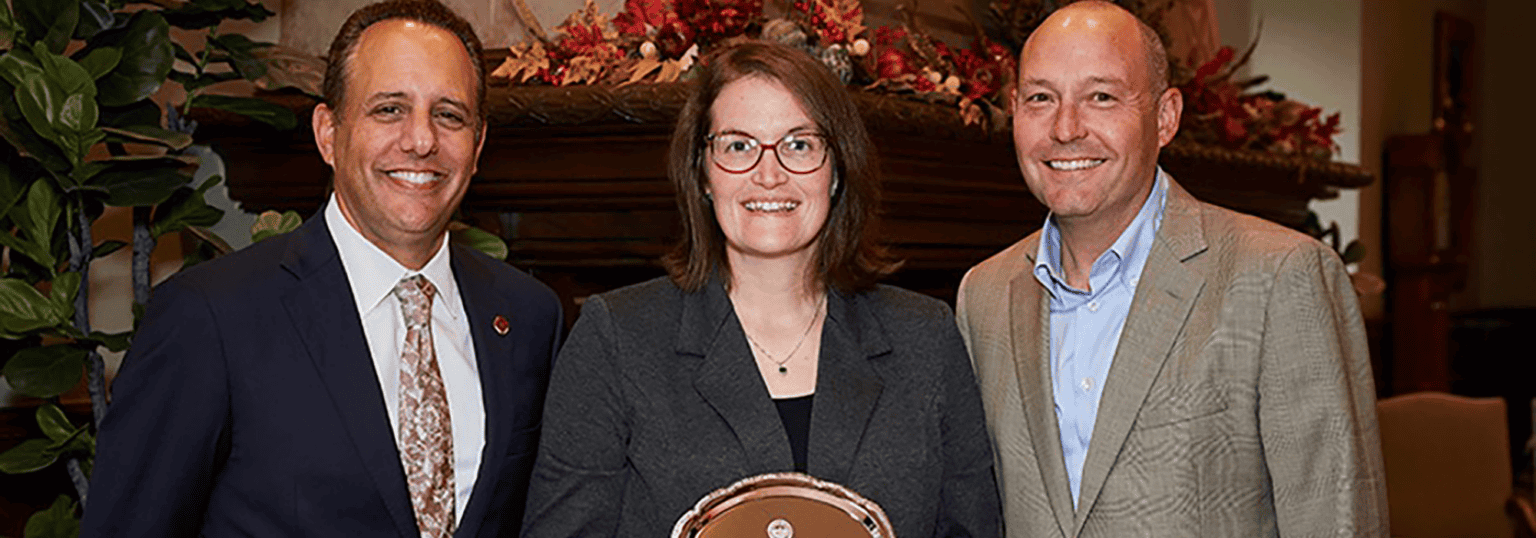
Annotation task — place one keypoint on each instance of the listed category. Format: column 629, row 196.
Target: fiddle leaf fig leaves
column 45, row 371
column 256, row 109
column 186, row 207
column 51, row 22
column 480, row 240
column 141, row 181
column 40, row 215
column 107, row 248
column 95, row 16
column 31, row 455
column 149, row 134
column 58, row 428
column 60, row 105
column 111, row 341
column 196, row 14
column 99, row 62
column 63, row 292
column 57, row 521
column 24, row 309
column 19, row 65
column 241, row 54
column 26, row 248
column 35, row 215
column 12, row 188
column 147, row 57
column 55, row 109
column 271, row 223
column 8, row 27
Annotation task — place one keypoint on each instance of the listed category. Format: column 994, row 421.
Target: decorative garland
column 660, row 41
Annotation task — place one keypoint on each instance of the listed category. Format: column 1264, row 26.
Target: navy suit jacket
column 248, row 404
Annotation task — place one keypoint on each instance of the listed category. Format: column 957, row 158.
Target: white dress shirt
column 373, row 276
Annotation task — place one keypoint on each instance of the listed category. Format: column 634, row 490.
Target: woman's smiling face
column 767, row 212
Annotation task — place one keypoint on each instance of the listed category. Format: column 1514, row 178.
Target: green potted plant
column 82, row 133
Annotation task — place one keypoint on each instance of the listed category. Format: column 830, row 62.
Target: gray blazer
column 1239, row 402
column 655, row 401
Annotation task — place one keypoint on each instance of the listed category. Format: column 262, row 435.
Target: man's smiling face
column 1088, row 121
column 406, row 137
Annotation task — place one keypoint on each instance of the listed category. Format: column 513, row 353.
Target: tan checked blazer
column 1239, row 402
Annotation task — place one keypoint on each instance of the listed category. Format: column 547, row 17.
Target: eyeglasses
column 801, row 153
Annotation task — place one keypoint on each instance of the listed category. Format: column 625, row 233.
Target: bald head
column 1091, row 113
column 1106, row 18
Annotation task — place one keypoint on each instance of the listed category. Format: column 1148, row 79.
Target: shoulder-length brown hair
column 848, row 256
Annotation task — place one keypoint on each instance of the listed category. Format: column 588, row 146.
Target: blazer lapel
column 728, row 379
column 494, row 356
column 847, row 387
column 1163, row 301
column 1030, row 314
column 325, row 316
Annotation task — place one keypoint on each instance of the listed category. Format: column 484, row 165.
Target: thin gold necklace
column 784, row 370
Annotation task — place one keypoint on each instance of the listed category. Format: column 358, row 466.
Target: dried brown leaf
column 524, row 60
column 582, row 70
column 642, row 68
column 670, row 70
column 972, row 114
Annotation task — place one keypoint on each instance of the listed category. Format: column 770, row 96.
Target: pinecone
column 837, row 59
column 784, row 31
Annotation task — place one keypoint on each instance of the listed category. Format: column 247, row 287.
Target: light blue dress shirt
column 1086, row 324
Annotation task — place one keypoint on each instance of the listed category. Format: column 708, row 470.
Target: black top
column 796, row 414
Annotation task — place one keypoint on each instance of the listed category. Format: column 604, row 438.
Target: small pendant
column 783, row 370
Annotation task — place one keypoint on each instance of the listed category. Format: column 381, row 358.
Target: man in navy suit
column 273, row 392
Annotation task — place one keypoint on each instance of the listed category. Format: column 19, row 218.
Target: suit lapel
column 1031, row 331
column 728, row 379
column 847, row 387
column 494, row 356
column 325, row 316
column 1163, row 301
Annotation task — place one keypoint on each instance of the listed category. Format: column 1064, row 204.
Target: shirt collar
column 373, row 274
column 1125, row 257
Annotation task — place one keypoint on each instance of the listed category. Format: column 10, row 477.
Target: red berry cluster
column 826, row 25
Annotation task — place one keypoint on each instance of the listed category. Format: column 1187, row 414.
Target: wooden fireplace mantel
column 574, row 178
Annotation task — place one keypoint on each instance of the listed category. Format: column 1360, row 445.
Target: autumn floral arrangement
column 1223, row 110
column 661, row 40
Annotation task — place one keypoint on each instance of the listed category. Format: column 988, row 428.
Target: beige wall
column 1396, row 72
column 1312, row 52
column 1505, row 255
column 309, row 25
column 1397, row 68
column 1393, row 43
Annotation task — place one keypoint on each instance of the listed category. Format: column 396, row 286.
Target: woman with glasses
column 769, row 347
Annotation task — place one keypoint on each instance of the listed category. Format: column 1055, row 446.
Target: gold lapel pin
column 501, row 324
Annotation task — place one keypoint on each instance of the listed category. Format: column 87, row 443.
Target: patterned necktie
column 426, row 434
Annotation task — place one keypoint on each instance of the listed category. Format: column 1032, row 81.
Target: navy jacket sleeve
column 166, row 433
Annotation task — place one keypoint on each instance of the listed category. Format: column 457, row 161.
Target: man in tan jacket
column 1152, row 365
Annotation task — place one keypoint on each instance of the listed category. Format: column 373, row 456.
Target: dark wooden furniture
column 1428, row 215
column 575, row 179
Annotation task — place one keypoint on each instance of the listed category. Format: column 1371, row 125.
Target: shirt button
column 1087, row 384
column 1093, row 306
